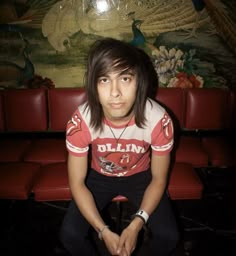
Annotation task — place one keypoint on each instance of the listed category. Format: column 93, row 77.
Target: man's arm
column 157, row 186
column 151, row 199
column 77, row 169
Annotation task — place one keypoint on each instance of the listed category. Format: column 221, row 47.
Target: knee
column 71, row 240
column 164, row 243
column 68, row 234
column 174, row 239
column 169, row 237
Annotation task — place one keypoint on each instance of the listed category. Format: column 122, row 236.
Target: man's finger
column 120, row 245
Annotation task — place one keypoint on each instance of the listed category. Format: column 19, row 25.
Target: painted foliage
column 45, row 42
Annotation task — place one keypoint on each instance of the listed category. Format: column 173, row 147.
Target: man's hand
column 111, row 241
column 128, row 238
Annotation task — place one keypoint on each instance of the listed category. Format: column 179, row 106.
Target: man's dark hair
column 111, row 55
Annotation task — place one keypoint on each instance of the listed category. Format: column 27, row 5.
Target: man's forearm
column 153, row 195
column 77, row 172
column 157, row 186
column 86, row 204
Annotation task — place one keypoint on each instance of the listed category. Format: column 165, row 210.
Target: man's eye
column 103, row 80
column 126, row 79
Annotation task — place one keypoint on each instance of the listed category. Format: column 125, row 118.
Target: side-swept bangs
column 111, row 55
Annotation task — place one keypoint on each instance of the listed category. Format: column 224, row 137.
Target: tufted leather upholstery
column 184, row 183
column 174, row 101
column 46, row 151
column 2, row 123
column 190, row 150
column 34, row 160
column 26, row 110
column 13, row 150
column 62, row 103
column 52, row 184
column 16, row 179
column 206, row 109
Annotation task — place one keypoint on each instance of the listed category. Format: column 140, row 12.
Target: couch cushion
column 16, row 180
column 221, row 151
column 26, row 110
column 46, row 151
column 190, row 150
column 12, row 150
column 52, row 183
column 62, row 104
column 184, row 183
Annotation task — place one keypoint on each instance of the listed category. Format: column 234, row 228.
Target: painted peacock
column 139, row 39
column 61, row 19
column 158, row 16
column 13, row 74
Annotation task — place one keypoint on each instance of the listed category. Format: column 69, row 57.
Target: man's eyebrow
column 127, row 72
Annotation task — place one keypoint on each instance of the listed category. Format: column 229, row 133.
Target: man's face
column 117, row 93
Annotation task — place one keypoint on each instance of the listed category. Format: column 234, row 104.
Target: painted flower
column 182, row 80
column 167, row 63
column 176, row 68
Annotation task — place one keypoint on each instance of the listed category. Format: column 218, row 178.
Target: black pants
column 162, row 223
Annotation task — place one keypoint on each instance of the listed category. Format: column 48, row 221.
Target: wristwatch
column 143, row 215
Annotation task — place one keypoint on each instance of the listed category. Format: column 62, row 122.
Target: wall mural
column 45, row 42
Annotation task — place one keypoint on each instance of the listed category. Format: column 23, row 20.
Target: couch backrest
column 62, row 103
column 26, row 110
column 206, row 109
column 174, row 102
column 2, row 120
column 232, row 111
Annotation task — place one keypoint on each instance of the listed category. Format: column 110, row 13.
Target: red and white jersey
column 127, row 155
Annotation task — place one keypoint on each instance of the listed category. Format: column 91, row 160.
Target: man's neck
column 120, row 121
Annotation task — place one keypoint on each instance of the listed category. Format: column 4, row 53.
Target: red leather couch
column 32, row 141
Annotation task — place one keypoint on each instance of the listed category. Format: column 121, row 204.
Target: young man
column 122, row 126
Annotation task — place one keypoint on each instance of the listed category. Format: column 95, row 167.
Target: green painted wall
column 45, row 42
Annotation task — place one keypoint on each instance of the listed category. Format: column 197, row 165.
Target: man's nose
column 115, row 89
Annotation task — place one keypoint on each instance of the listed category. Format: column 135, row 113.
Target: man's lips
column 116, row 105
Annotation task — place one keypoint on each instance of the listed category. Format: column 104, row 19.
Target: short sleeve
column 162, row 138
column 77, row 135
